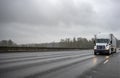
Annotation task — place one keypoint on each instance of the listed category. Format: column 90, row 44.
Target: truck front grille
column 101, row 47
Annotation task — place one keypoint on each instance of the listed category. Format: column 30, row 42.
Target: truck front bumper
column 101, row 51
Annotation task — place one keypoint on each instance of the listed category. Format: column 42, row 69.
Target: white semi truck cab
column 105, row 44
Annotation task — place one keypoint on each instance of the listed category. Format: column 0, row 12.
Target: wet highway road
column 61, row 64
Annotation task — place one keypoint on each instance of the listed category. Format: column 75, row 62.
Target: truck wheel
column 109, row 52
column 95, row 53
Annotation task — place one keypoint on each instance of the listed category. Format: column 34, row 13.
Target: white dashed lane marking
column 106, row 61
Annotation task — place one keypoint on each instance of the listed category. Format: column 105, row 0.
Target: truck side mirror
column 94, row 41
column 110, row 42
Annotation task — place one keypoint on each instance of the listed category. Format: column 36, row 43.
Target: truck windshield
column 102, row 41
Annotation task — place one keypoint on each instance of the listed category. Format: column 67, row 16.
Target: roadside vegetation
column 63, row 44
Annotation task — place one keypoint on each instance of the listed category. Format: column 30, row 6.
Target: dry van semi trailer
column 105, row 44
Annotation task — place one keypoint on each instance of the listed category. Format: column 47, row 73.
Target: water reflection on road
column 95, row 60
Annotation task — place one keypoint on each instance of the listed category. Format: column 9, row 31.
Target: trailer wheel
column 115, row 50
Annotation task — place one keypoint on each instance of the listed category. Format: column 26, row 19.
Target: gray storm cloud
column 46, row 13
column 27, row 21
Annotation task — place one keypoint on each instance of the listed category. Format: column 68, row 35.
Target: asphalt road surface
column 61, row 64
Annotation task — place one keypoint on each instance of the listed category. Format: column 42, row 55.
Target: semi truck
column 105, row 44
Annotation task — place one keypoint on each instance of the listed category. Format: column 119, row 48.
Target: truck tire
column 109, row 52
column 95, row 53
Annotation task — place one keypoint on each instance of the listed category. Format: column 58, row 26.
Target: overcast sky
column 38, row 21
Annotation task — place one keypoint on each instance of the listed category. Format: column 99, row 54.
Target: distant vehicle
column 105, row 44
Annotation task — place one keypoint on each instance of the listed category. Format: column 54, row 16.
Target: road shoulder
column 110, row 68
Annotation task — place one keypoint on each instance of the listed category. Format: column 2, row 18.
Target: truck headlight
column 107, row 47
column 95, row 47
